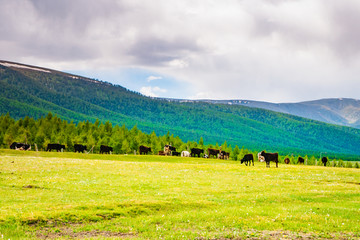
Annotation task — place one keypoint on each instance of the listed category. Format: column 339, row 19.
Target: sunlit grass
column 171, row 197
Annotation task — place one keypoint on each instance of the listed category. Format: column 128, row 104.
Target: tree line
column 52, row 129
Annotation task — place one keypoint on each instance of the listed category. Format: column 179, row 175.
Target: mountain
column 340, row 111
column 34, row 91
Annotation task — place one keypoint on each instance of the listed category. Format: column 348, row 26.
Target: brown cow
column 213, row 152
column 286, row 160
column 273, row 157
column 224, row 155
column 144, row 150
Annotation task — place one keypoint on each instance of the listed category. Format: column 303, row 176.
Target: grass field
column 68, row 195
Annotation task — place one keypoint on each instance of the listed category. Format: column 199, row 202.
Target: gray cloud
column 265, row 50
column 345, row 24
column 153, row 51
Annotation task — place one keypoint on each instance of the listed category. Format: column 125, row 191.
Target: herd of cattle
column 171, row 151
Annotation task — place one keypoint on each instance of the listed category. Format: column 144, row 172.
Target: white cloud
column 274, row 50
column 152, row 78
column 152, row 91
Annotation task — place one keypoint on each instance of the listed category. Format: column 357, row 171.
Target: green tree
column 125, row 148
column 236, row 153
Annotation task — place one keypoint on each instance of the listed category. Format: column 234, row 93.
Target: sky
column 265, row 50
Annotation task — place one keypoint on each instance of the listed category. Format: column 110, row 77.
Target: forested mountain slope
column 34, row 91
column 340, row 111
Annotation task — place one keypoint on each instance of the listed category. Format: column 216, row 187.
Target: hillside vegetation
column 27, row 92
column 340, row 111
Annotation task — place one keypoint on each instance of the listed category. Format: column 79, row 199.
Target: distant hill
column 34, row 91
column 340, row 111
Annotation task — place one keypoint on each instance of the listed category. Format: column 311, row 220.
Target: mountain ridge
column 30, row 92
column 339, row 111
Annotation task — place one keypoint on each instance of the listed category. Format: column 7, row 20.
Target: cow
column 171, row 148
column 196, row 151
column 324, row 160
column 224, row 155
column 213, row 152
column 248, row 158
column 20, row 146
column 55, row 146
column 162, row 153
column 270, row 157
column 260, row 158
column 286, row 160
column 144, row 150
column 185, row 154
column 168, row 149
column 80, row 148
column 105, row 149
column 174, row 153
column 300, row 160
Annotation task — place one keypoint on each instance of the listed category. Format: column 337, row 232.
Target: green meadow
column 90, row 196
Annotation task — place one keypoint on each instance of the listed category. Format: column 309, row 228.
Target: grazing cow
column 324, row 160
column 144, row 149
column 80, row 148
column 20, row 146
column 55, row 146
column 196, row 151
column 248, row 158
column 171, row 148
column 168, row 149
column 174, row 153
column 224, row 155
column 213, row 152
column 273, row 157
column 105, row 149
column 301, row 160
column 162, row 153
column 260, row 158
column 286, row 160
column 185, row 154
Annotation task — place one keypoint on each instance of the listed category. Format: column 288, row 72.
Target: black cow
column 196, row 151
column 105, row 149
column 174, row 153
column 301, row 160
column 286, row 160
column 80, row 148
column 273, row 157
column 55, row 146
column 144, row 149
column 248, row 158
column 324, row 160
column 224, row 155
column 213, row 152
column 171, row 148
column 20, row 146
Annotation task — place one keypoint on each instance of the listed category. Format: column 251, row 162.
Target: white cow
column 261, row 158
column 185, row 154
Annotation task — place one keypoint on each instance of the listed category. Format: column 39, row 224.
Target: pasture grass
column 91, row 196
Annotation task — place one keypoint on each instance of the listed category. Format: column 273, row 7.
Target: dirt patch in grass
column 31, row 186
column 287, row 235
column 284, row 235
column 68, row 232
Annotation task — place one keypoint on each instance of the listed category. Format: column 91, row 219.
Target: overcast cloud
column 278, row 50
